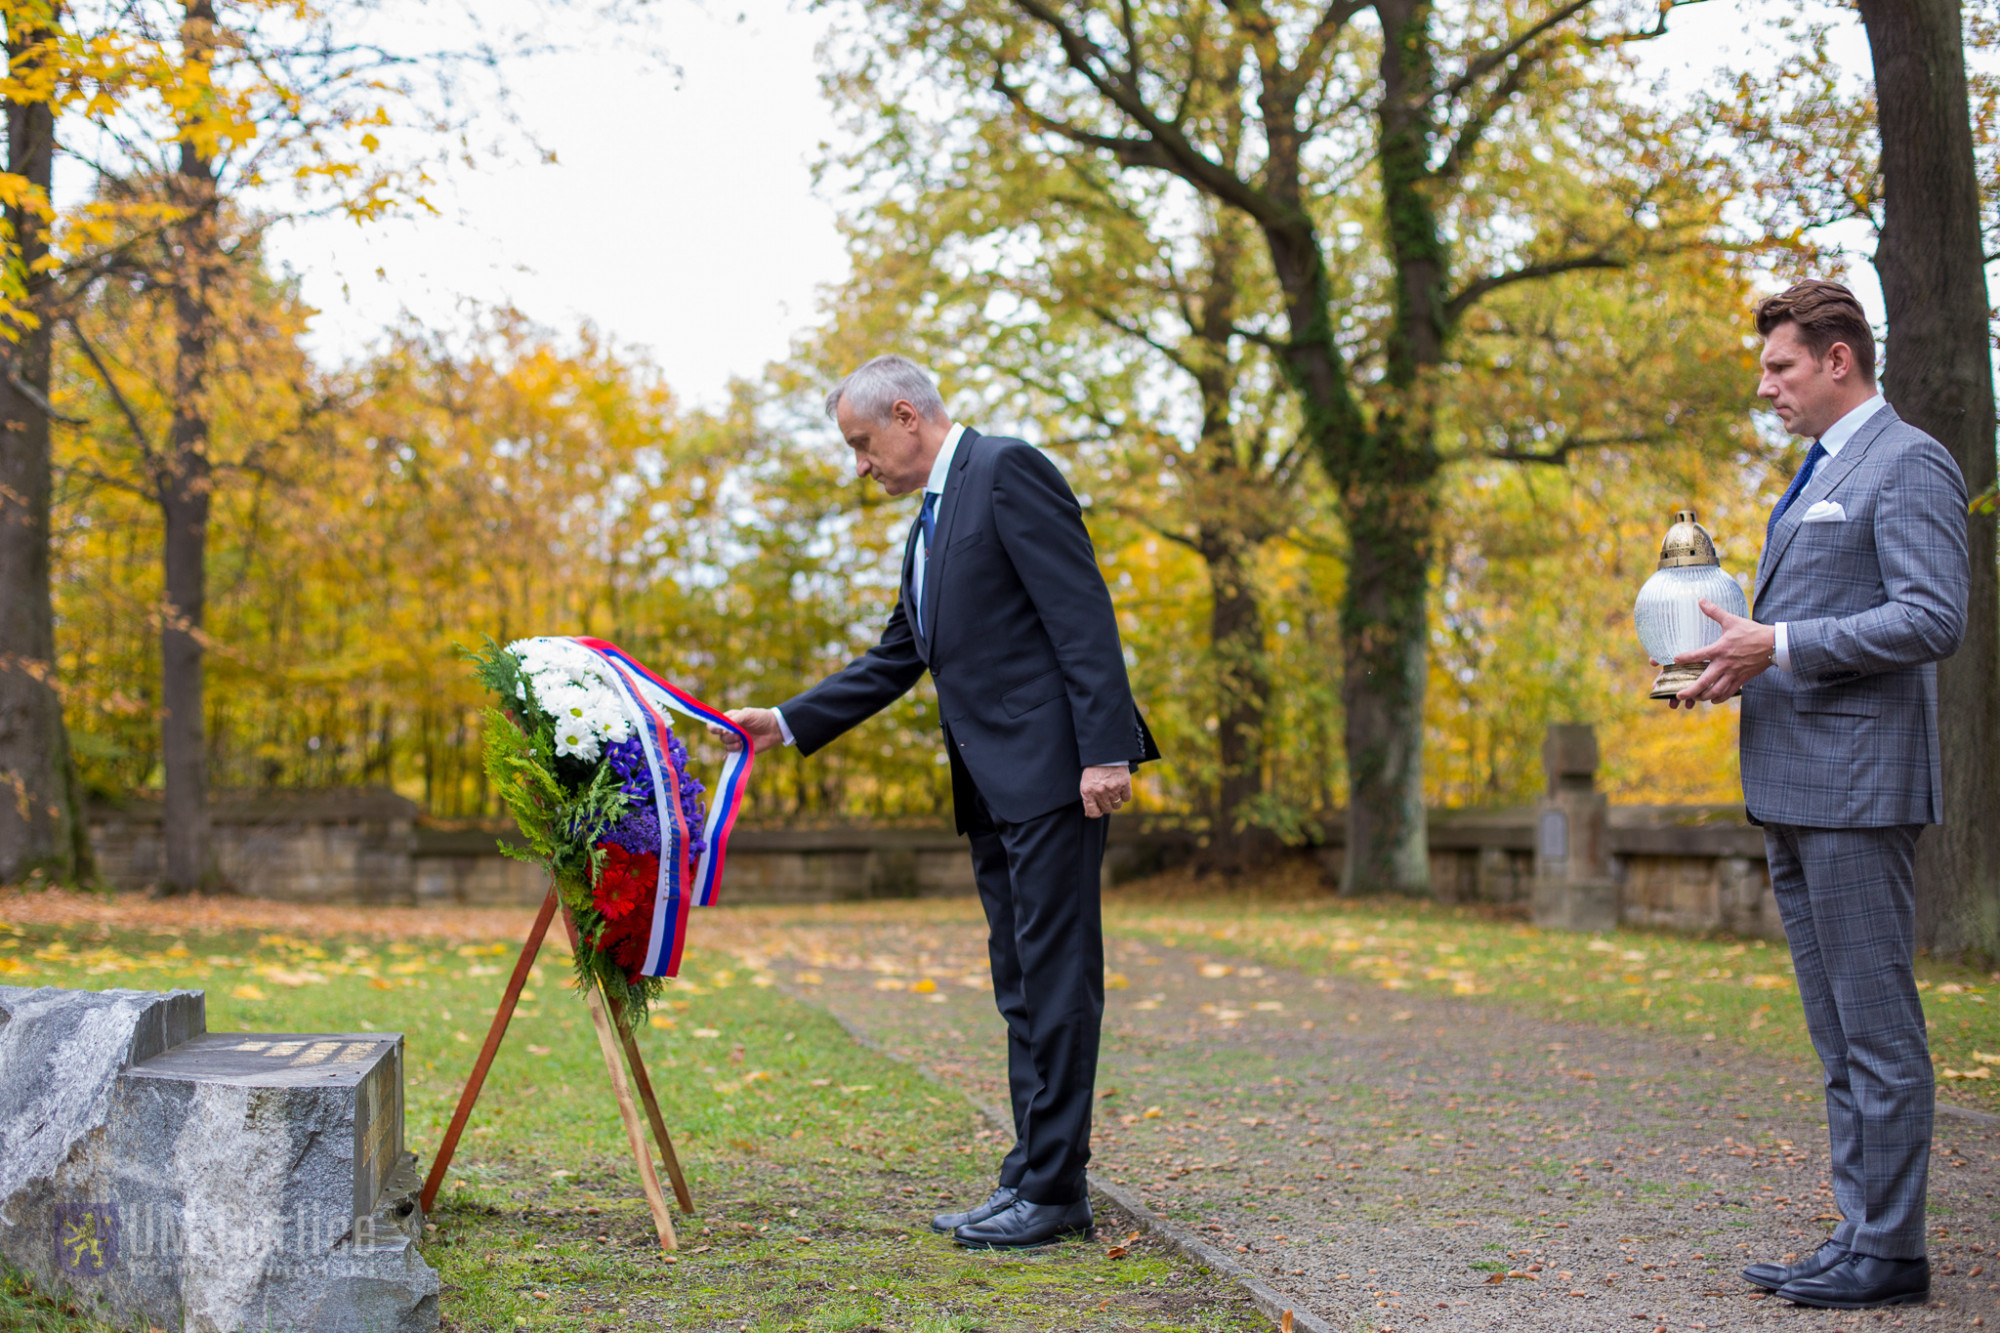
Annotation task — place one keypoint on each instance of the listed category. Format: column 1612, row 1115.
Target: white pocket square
column 1825, row 511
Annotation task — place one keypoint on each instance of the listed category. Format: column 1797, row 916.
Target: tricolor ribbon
column 646, row 695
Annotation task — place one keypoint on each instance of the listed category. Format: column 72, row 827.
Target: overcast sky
column 680, row 215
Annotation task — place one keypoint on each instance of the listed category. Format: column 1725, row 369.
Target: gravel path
column 1391, row 1161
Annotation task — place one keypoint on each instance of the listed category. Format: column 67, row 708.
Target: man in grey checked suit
column 1861, row 590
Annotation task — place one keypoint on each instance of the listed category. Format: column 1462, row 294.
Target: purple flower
column 639, row 831
column 628, row 760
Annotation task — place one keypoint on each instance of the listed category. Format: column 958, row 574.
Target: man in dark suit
column 1861, row 590
column 1002, row 602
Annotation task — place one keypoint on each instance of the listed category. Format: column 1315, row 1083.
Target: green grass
column 1721, row 989
column 25, row 1310
column 813, row 1161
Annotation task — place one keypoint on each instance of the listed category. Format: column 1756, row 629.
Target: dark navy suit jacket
column 1019, row 637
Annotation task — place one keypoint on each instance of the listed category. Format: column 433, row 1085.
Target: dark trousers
column 1038, row 880
column 1848, row 902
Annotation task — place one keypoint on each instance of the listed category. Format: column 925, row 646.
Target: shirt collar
column 941, row 467
column 1843, row 430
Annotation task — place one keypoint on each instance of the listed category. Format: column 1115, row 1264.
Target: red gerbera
column 626, row 882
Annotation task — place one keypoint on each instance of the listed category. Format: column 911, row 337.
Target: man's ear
column 1840, row 361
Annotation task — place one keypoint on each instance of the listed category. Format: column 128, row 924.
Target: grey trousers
column 1848, row 903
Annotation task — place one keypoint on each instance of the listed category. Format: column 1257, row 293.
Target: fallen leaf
column 924, row 987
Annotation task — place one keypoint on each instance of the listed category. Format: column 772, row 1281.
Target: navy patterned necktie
column 928, row 519
column 1813, row 455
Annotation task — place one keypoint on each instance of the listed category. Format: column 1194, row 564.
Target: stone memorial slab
column 207, row 1182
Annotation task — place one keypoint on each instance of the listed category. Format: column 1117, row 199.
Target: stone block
column 1576, row 904
column 216, row 1184
column 1569, row 756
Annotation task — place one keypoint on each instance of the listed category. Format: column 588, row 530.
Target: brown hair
column 1825, row 313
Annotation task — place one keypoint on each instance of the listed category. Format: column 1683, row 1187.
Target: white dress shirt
column 940, row 473
column 1836, row 437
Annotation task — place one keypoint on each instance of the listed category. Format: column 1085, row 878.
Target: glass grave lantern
column 1668, row 614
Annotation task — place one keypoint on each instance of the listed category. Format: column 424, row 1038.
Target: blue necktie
column 1817, row 452
column 928, row 519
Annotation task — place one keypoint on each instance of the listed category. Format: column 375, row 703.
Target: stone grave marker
column 207, row 1182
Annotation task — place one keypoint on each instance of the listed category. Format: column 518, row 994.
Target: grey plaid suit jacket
column 1849, row 737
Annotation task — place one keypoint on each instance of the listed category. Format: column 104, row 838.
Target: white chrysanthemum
column 574, row 740
column 555, row 660
column 575, row 688
column 569, row 704
column 610, row 722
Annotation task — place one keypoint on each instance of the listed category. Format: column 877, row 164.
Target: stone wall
column 1687, row 868
column 341, row 845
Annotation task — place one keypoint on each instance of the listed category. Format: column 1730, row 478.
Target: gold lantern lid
column 1687, row 543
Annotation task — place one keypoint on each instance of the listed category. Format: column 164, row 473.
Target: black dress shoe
column 1862, row 1282
column 946, row 1223
column 1772, row 1276
column 1022, row 1226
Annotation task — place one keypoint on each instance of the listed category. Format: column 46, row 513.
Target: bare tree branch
column 1500, row 55
column 1331, row 21
column 1479, row 289
column 1476, row 124
column 110, row 383
column 1659, row 28
column 1175, row 152
column 1559, row 455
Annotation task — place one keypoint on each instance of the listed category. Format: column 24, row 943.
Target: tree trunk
column 1233, row 520
column 1940, row 377
column 184, row 485
column 1388, row 496
column 39, row 820
column 1383, row 630
column 1242, row 691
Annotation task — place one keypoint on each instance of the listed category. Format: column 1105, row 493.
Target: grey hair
column 883, row 382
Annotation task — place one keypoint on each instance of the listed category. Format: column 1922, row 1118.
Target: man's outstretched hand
column 1104, row 788
column 1742, row 651
column 761, row 724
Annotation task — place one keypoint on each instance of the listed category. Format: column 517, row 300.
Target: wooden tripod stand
column 611, row 1035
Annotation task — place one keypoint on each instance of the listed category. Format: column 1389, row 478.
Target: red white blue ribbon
column 651, row 693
